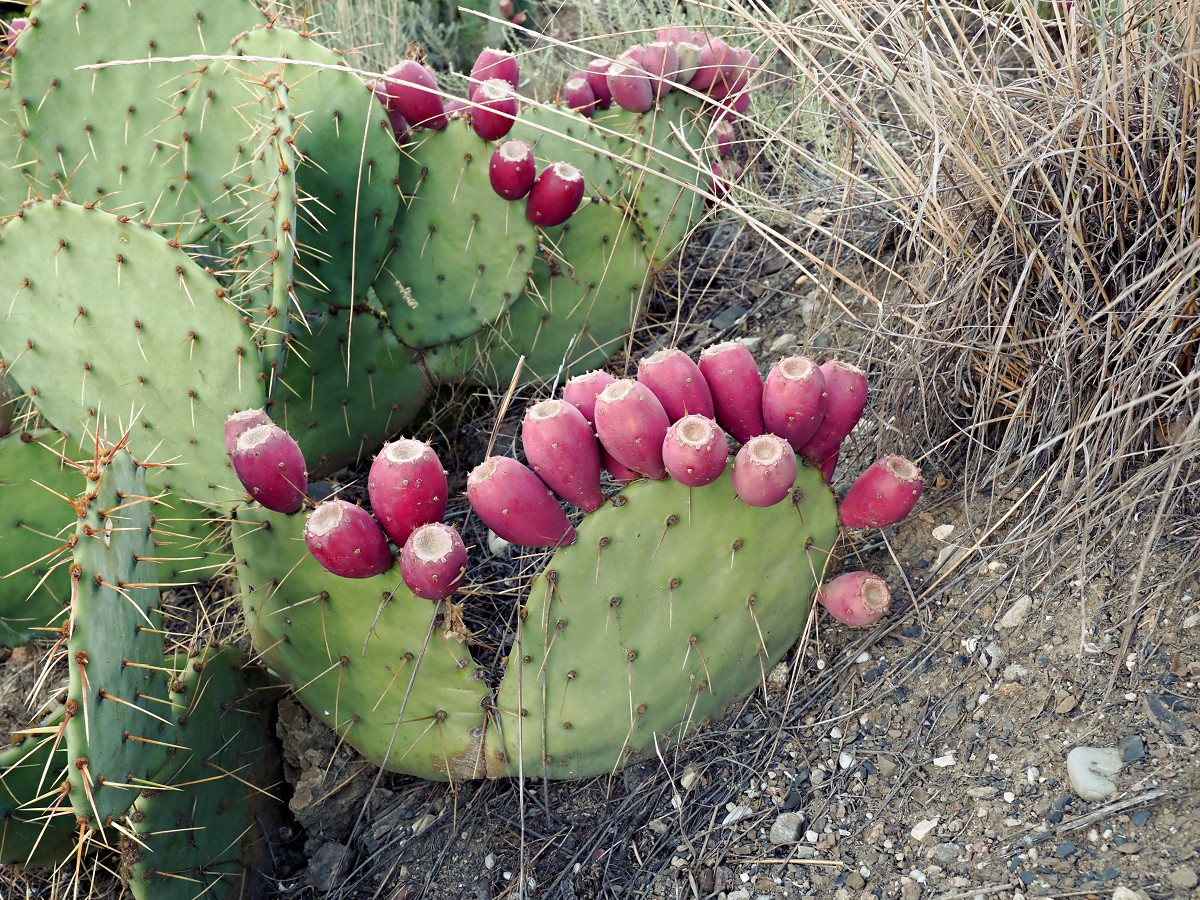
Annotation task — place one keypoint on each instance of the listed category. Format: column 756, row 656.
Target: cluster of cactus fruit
column 657, row 604
column 258, row 237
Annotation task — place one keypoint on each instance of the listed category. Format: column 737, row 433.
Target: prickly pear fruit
column 661, row 62
column 578, row 94
column 677, row 382
column 582, row 391
column 617, row 471
column 695, row 451
column 414, row 92
column 714, row 55
column 882, row 495
column 737, row 388
column 433, row 561
column 857, row 599
column 517, row 505
column 493, row 109
column 492, row 63
column 407, row 487
column 630, row 86
column 239, row 423
column 512, row 170
column 561, row 449
column 400, row 127
column 689, row 60
column 846, row 389
column 271, row 467
column 597, row 76
column 674, row 34
column 829, row 466
column 347, row 540
column 794, row 400
column 555, row 195
column 764, row 470
column 632, row 425
column 723, row 135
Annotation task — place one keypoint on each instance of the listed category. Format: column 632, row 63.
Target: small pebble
column 945, row 853
column 753, row 344
column 1090, row 770
column 1016, row 613
column 787, row 828
column 845, row 760
column 1184, row 878
column 921, row 830
column 1132, row 748
column 1065, row 850
column 782, row 342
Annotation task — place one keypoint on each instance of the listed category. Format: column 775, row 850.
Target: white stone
column 922, row 829
column 1090, row 770
column 943, row 532
column 1016, row 613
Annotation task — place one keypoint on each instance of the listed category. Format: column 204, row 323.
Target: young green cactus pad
column 204, row 831
column 35, row 590
column 37, row 824
column 117, row 730
column 108, row 134
column 108, row 326
column 464, row 252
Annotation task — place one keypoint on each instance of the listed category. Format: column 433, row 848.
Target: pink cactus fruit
column 407, row 487
column 241, row 422
column 457, row 108
column 12, row 32
column 794, row 400
column 617, row 471
column 661, row 62
column 512, row 170
column 723, row 135
column 578, row 94
column 714, row 55
column 597, row 76
column 737, row 389
column 493, row 109
column 689, row 61
column 882, row 495
column 674, row 34
column 632, row 424
column 400, row 127
column 677, row 382
column 634, row 53
column 555, row 195
column 517, row 505
column 413, row 90
column 630, row 86
column 561, row 449
column 829, row 466
column 582, row 391
column 846, row 390
column 492, row 63
column 764, row 470
column 506, row 7
column 433, row 561
column 347, row 540
column 695, row 451
column 270, row 465
column 857, row 599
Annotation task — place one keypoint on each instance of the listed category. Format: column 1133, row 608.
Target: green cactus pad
column 32, row 519
column 586, row 293
column 118, row 726
column 464, row 252
column 112, row 134
column 340, row 418
column 18, row 160
column 354, row 650
column 37, row 824
column 205, row 833
column 669, row 143
column 342, row 230
column 107, row 326
column 643, row 630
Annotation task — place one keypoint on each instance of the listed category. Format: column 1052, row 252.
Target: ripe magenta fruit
column 632, row 425
column 737, row 388
column 492, row 63
column 857, row 599
column 764, row 470
column 270, row 465
column 561, row 449
column 846, row 390
column 597, row 76
column 433, row 561
column 794, row 400
column 347, row 540
column 630, row 86
column 241, row 422
column 517, row 505
column 413, row 90
column 407, row 487
column 695, row 451
column 578, row 94
column 677, row 382
column 882, row 495
column 582, row 391
column 493, row 109
column 512, row 170
column 555, row 195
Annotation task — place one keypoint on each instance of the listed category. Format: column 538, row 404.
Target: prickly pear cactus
column 671, row 604
column 118, row 731
column 35, row 590
column 203, row 829
column 109, row 133
column 37, row 824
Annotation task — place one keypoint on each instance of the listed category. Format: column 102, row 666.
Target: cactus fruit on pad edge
column 672, row 603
